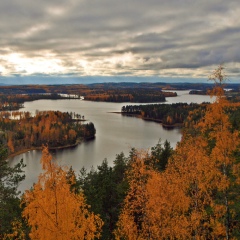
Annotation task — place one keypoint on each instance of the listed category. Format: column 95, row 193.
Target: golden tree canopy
column 55, row 212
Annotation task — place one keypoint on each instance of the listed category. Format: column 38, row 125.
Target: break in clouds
column 185, row 38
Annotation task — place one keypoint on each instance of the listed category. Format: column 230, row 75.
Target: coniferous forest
column 190, row 192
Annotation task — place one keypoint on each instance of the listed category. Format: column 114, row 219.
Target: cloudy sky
column 159, row 38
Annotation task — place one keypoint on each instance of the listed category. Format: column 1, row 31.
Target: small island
column 169, row 115
column 20, row 132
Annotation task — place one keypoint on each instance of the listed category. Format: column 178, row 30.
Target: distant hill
column 53, row 80
column 56, row 80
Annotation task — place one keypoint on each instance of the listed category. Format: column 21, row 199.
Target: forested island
column 174, row 115
column 170, row 115
column 130, row 95
column 20, row 131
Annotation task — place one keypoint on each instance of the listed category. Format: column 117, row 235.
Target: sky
column 151, row 39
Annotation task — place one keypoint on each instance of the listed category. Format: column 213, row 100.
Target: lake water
column 114, row 134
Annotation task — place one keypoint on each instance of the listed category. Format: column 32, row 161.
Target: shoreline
column 176, row 125
column 40, row 148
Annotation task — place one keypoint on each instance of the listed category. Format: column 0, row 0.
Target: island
column 21, row 132
column 169, row 115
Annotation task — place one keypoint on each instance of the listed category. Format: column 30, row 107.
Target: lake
column 114, row 134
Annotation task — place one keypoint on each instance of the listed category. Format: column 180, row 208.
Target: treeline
column 19, row 130
column 42, row 89
column 129, row 95
column 168, row 114
column 114, row 91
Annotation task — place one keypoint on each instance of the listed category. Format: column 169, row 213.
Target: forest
column 20, row 131
column 191, row 192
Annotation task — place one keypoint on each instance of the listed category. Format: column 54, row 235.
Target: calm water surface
column 115, row 134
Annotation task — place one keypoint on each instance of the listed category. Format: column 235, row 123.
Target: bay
column 114, row 134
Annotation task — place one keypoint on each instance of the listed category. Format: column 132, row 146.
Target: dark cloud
column 109, row 37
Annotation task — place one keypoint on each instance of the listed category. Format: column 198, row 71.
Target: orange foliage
column 132, row 221
column 192, row 198
column 55, row 212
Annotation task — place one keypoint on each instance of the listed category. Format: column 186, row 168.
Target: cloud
column 108, row 37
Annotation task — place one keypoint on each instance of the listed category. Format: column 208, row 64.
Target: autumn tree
column 201, row 181
column 133, row 222
column 181, row 200
column 54, row 211
column 10, row 144
column 224, row 142
column 197, row 196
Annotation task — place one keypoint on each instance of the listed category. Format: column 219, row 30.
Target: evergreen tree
column 160, row 155
column 10, row 177
column 105, row 189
